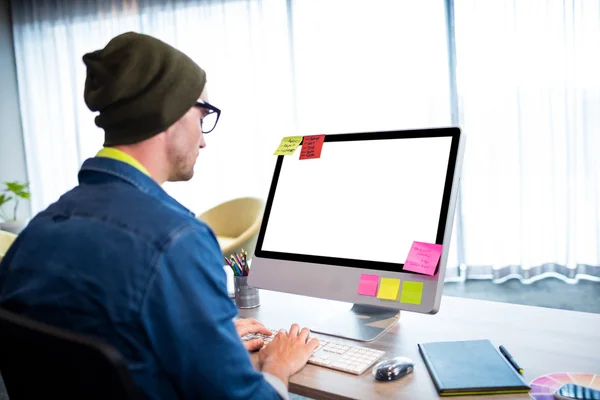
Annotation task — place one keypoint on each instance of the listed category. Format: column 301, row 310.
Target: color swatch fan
column 543, row 387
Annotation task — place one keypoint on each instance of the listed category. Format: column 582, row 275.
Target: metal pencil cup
column 245, row 296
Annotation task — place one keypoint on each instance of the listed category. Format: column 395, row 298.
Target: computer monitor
column 356, row 211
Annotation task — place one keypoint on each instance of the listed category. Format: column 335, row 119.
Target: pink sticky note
column 368, row 285
column 423, row 258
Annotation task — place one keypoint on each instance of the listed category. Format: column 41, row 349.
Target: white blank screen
column 365, row 200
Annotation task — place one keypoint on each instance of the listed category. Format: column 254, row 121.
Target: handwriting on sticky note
column 423, row 258
column 388, row 289
column 411, row 292
column 368, row 285
column 312, row 146
column 288, row 145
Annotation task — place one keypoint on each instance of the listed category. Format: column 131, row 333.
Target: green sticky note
column 388, row 289
column 288, row 145
column 411, row 292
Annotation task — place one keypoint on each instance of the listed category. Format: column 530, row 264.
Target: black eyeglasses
column 209, row 121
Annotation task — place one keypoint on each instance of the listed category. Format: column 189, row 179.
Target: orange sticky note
column 423, row 258
column 388, row 289
column 311, row 147
column 368, row 285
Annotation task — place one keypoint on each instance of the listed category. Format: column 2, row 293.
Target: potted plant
column 12, row 191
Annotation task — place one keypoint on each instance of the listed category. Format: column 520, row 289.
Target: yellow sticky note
column 411, row 292
column 388, row 289
column 288, row 145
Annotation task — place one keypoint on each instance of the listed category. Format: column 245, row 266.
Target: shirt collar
column 126, row 172
column 116, row 154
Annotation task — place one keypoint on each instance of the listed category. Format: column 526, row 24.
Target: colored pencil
column 233, row 263
column 230, row 265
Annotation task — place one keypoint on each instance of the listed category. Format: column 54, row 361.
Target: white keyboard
column 335, row 355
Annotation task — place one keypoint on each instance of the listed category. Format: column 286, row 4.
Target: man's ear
column 162, row 136
column 170, row 130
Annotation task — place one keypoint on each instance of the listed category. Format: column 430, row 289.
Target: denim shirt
column 117, row 258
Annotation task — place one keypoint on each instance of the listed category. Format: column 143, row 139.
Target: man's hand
column 245, row 326
column 287, row 353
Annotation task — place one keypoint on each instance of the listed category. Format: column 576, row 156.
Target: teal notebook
column 470, row 367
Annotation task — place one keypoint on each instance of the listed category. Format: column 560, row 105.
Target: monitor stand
column 361, row 322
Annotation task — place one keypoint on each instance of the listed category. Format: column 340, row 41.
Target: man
column 119, row 259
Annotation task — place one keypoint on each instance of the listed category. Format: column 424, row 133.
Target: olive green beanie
column 141, row 86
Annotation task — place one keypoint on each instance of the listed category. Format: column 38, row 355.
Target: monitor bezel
column 452, row 132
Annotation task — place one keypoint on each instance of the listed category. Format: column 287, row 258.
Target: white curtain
column 528, row 95
column 359, row 68
column 243, row 46
column 528, row 77
column 271, row 73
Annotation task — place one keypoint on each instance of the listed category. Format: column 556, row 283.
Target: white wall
column 12, row 152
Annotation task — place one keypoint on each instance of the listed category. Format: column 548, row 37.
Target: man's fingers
column 243, row 331
column 252, row 320
column 303, row 335
column 254, row 344
column 261, row 329
column 313, row 344
column 250, row 325
column 257, row 327
column 294, row 330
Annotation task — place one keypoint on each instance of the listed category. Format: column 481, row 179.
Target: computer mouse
column 392, row 369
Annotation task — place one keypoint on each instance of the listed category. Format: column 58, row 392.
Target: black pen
column 511, row 359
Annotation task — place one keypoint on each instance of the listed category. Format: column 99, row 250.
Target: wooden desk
column 542, row 341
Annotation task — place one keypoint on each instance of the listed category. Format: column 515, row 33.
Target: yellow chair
column 6, row 240
column 236, row 224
